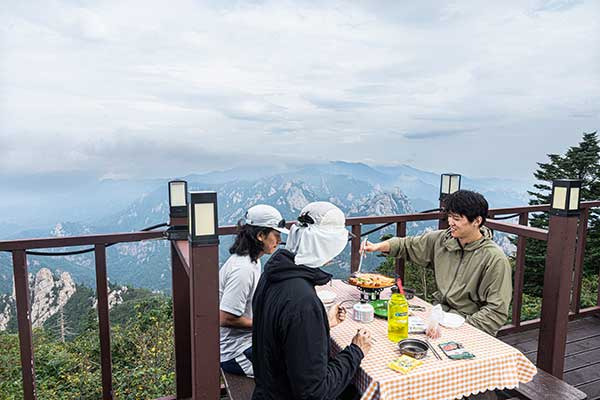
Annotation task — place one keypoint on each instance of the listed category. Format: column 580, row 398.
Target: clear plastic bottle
column 397, row 314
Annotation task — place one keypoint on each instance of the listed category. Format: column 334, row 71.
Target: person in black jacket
column 290, row 335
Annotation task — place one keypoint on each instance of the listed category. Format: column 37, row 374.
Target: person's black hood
column 281, row 267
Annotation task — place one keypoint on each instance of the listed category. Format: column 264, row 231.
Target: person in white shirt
column 258, row 234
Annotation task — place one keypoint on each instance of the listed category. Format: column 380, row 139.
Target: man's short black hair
column 467, row 203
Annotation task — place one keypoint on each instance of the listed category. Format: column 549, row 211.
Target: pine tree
column 579, row 162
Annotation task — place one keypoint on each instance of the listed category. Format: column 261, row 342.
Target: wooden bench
column 545, row 386
column 238, row 387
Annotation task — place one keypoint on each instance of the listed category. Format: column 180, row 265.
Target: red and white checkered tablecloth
column 496, row 364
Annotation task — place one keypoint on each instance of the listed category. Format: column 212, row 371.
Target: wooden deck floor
column 582, row 360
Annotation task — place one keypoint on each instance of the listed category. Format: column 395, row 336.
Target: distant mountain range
column 358, row 189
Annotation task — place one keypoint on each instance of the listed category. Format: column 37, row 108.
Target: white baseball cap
column 266, row 217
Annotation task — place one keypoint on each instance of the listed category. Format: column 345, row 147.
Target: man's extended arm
column 418, row 249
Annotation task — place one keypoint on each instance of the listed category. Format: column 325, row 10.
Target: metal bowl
column 414, row 348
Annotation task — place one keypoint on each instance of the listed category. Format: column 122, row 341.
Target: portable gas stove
column 369, row 294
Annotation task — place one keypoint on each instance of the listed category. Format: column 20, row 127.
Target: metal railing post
column 103, row 321
column 354, row 248
column 579, row 257
column 24, row 322
column 400, row 232
column 519, row 273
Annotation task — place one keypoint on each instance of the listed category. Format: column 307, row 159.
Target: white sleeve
column 237, row 291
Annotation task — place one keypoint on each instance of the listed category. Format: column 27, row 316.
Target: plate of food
column 370, row 281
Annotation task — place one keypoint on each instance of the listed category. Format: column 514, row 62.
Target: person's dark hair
column 467, row 203
column 246, row 242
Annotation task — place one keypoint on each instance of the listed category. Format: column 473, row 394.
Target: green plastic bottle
column 397, row 314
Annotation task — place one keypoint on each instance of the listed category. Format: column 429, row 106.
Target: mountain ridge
column 357, row 188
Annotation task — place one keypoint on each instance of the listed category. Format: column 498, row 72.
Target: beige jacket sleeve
column 495, row 291
column 418, row 249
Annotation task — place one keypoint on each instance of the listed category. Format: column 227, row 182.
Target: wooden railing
column 195, row 296
column 19, row 249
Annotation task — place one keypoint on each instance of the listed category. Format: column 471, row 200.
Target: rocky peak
column 115, row 296
column 49, row 294
column 6, row 305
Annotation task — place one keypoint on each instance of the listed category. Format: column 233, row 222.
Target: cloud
column 335, row 104
column 435, row 134
column 555, row 5
column 146, row 88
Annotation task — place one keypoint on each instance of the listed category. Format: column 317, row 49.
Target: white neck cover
column 318, row 243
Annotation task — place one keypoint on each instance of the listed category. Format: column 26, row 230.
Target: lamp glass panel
column 177, row 194
column 454, row 180
column 204, row 214
column 445, row 184
column 559, row 199
column 574, row 198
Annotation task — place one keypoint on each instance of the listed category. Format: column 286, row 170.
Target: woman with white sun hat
column 291, row 326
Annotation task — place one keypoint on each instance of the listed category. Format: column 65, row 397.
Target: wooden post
column 204, row 299
column 562, row 233
column 400, row 232
column 103, row 321
column 354, row 248
column 181, row 326
column 443, row 222
column 519, row 273
column 24, row 323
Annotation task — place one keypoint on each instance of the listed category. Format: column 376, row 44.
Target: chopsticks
column 432, row 349
column 361, row 255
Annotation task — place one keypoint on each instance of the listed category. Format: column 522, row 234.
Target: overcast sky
column 145, row 88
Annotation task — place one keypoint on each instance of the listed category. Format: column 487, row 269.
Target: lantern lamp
column 203, row 218
column 565, row 197
column 449, row 184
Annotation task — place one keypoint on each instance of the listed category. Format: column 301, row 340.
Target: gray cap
column 266, row 217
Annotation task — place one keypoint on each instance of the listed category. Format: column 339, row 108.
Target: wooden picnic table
column 496, row 365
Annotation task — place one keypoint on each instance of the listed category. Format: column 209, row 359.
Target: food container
column 414, row 348
column 416, row 325
column 363, row 312
column 326, row 296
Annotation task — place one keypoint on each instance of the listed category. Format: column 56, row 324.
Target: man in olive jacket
column 472, row 273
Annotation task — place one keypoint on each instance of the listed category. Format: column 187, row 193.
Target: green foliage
column 10, row 371
column 75, row 314
column 579, row 162
column 589, row 291
column 531, row 308
column 142, row 355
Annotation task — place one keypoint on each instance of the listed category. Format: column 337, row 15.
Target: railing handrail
column 83, row 240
